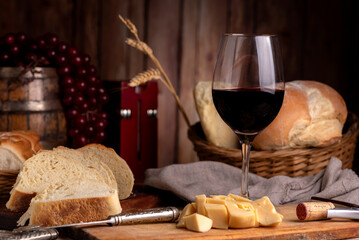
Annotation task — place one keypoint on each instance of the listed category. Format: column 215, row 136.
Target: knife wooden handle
column 313, row 210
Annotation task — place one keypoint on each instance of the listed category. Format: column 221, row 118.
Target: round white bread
column 87, row 201
column 121, row 170
column 16, row 147
column 50, row 167
column 313, row 114
column 217, row 132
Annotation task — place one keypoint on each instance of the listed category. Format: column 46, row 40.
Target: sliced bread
column 93, row 163
column 119, row 167
column 63, row 204
column 48, row 168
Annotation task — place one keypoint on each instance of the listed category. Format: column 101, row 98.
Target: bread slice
column 119, row 167
column 48, row 168
column 64, row 204
column 89, row 162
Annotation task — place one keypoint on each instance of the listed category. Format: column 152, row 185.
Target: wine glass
column 248, row 88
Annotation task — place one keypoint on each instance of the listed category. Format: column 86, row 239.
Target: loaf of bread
column 64, row 204
column 16, row 147
column 119, row 167
column 215, row 129
column 312, row 115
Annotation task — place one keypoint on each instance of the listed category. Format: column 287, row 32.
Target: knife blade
column 347, row 204
column 153, row 215
column 308, row 211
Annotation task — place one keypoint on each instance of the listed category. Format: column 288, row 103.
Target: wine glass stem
column 246, row 148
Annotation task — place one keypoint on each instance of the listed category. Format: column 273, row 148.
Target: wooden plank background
column 319, row 41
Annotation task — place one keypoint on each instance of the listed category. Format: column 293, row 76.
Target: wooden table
column 290, row 228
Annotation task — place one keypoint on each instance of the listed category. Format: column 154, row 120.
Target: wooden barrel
column 29, row 101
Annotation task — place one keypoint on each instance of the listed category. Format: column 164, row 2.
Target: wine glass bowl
column 248, row 88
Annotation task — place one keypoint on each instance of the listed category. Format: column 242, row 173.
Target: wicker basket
column 7, row 180
column 289, row 162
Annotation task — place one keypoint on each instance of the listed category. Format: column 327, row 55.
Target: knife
column 154, row 215
column 347, row 204
column 308, row 211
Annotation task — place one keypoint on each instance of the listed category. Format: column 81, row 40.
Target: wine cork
column 313, row 210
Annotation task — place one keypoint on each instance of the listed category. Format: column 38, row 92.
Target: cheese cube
column 239, row 198
column 200, row 201
column 218, row 196
column 267, row 214
column 187, row 210
column 245, row 205
column 216, row 201
column 240, row 218
column 197, row 222
column 194, row 205
column 218, row 214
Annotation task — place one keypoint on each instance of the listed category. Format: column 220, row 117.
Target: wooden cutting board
column 139, row 200
column 290, row 228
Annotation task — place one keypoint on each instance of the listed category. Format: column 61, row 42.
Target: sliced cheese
column 218, row 214
column 240, row 218
column 187, row 210
column 197, row 222
column 267, row 214
column 200, row 201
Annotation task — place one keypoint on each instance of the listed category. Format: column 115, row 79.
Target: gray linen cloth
column 213, row 178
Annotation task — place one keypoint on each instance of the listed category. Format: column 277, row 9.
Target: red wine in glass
column 248, row 88
column 248, row 111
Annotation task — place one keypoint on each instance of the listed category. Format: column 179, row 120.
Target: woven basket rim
column 352, row 132
column 9, row 171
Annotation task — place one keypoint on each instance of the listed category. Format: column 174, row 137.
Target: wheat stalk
column 129, row 24
column 143, row 47
column 141, row 78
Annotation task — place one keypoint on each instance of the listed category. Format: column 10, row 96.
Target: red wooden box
column 132, row 128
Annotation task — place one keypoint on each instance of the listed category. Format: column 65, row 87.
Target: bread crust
column 74, row 210
column 306, row 118
column 293, row 99
column 19, row 201
column 335, row 98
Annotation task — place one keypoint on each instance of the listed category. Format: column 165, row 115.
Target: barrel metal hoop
column 48, row 105
column 37, row 72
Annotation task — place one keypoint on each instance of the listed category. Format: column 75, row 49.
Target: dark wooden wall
column 320, row 41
